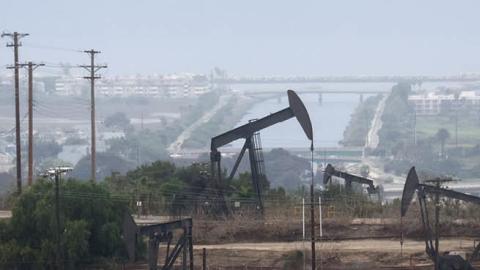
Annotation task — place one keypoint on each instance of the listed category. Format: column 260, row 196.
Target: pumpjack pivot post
column 249, row 132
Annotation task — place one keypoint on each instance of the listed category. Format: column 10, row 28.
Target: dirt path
column 389, row 246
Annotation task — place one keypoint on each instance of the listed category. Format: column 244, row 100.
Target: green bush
column 90, row 227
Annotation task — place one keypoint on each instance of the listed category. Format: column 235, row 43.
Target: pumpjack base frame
column 181, row 230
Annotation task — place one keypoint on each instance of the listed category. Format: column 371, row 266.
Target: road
column 372, row 136
column 372, row 141
column 176, row 146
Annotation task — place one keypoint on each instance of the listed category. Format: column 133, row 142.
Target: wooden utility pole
column 312, row 215
column 54, row 173
column 93, row 69
column 31, row 67
column 16, row 43
column 58, row 257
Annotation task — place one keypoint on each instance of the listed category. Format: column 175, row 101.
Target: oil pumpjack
column 441, row 261
column 349, row 178
column 250, row 132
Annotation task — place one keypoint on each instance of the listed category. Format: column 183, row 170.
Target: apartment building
column 173, row 86
column 432, row 103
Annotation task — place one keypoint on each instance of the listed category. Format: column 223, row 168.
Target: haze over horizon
column 251, row 37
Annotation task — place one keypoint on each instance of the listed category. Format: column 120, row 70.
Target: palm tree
column 442, row 135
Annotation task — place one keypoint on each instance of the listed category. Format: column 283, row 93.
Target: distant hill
column 282, row 168
column 106, row 164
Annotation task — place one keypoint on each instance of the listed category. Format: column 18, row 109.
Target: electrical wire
column 46, row 47
column 12, row 130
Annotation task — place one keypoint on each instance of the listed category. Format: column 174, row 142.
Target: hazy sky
column 251, row 37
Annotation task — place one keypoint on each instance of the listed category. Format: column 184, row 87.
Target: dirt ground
column 349, row 254
column 346, row 244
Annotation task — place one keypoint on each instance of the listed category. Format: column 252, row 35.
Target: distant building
column 70, row 86
column 432, row 103
column 173, row 86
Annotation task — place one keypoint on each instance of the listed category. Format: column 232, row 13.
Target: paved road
column 176, row 146
column 372, row 136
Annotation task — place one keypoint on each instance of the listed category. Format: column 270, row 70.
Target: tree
column 442, row 135
column 396, row 125
column 117, row 120
column 107, row 163
column 45, row 148
column 141, row 147
column 90, row 227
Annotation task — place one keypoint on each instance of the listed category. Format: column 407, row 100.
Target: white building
column 432, row 103
column 70, row 86
column 174, row 86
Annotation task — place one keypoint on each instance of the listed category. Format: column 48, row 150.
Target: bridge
column 316, row 91
column 470, row 77
column 319, row 91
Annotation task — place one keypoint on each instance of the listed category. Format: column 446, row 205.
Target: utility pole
column 55, row 174
column 31, row 67
column 93, row 69
column 437, row 222
column 312, row 215
column 16, row 38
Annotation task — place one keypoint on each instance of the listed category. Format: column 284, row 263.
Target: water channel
column 329, row 117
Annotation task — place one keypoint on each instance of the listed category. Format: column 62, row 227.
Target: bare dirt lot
column 347, row 243
column 349, row 254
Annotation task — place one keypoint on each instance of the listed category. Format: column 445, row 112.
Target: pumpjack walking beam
column 412, row 184
column 296, row 109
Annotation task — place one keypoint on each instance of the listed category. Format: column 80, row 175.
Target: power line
column 55, row 48
column 77, row 110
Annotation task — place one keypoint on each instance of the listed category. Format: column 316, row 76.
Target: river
column 329, row 120
column 329, row 117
